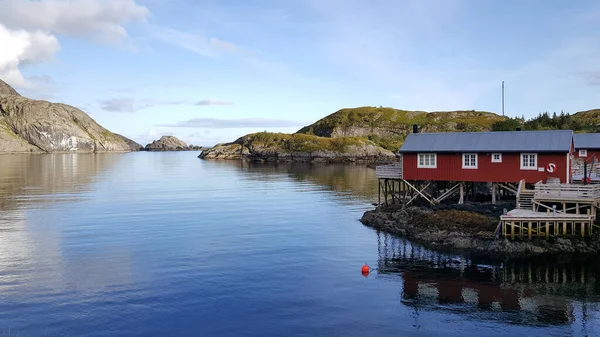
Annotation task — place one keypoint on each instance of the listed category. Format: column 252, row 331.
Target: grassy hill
column 388, row 127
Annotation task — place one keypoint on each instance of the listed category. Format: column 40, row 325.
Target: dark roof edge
column 486, row 151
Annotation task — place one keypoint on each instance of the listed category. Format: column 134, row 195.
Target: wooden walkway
column 525, row 224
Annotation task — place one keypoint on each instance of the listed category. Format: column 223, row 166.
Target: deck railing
column 566, row 191
column 392, row 171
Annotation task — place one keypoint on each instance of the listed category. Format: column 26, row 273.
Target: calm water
column 164, row 244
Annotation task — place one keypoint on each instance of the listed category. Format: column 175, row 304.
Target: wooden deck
column 392, row 171
column 526, row 224
column 567, row 192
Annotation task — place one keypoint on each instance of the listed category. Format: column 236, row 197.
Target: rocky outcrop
column 465, row 231
column 281, row 147
column 167, row 143
column 133, row 146
column 28, row 125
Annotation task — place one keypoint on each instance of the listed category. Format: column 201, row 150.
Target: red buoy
column 365, row 270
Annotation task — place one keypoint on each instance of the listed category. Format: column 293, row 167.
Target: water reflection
column 26, row 179
column 347, row 179
column 31, row 249
column 542, row 291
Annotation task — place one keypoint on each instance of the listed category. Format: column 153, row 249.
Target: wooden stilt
column 386, row 191
column 379, row 192
column 461, row 199
column 493, row 193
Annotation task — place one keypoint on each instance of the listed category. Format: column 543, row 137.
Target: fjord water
column 165, row 244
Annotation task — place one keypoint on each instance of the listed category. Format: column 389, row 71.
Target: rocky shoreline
column 468, row 229
column 279, row 147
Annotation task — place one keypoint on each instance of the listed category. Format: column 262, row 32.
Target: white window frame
column 529, row 168
column 499, row 160
column 582, row 153
column 470, row 166
column 430, row 156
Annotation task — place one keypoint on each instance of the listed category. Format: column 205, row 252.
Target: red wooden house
column 488, row 156
column 587, row 146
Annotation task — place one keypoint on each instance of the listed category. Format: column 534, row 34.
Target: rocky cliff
column 389, row 127
column 28, row 125
column 265, row 146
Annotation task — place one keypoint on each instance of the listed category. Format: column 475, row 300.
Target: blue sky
column 211, row 71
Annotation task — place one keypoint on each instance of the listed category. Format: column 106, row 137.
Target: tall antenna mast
column 502, row 98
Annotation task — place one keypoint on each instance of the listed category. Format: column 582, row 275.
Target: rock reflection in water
column 549, row 291
column 356, row 180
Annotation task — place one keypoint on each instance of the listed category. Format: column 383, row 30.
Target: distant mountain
column 28, row 125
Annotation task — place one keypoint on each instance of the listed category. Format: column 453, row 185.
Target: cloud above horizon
column 213, row 102
column 28, row 37
column 234, row 123
column 130, row 104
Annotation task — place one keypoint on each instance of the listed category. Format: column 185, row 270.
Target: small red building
column 488, row 156
column 587, row 146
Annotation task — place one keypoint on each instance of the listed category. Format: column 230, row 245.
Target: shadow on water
column 534, row 292
column 358, row 180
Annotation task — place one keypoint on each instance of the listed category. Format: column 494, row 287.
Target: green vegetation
column 389, row 127
column 282, row 142
column 584, row 121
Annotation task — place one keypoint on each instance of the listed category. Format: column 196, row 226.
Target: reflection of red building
column 450, row 291
column 523, row 292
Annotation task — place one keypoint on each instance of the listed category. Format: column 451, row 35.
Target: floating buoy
column 365, row 270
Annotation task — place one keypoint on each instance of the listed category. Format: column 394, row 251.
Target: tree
column 509, row 124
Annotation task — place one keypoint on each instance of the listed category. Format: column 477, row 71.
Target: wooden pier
column 527, row 225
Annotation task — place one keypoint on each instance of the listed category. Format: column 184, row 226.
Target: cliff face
column 389, row 127
column 266, row 146
column 28, row 125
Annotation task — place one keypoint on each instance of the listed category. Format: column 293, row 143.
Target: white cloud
column 102, row 20
column 130, row 104
column 19, row 48
column 213, row 102
column 217, row 123
column 29, row 29
column 197, row 43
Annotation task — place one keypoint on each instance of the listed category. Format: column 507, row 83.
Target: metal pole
column 502, row 98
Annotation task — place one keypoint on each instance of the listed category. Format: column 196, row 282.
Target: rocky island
column 281, row 147
column 170, row 143
column 36, row 126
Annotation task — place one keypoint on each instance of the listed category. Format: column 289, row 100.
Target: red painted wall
column 449, row 168
column 590, row 154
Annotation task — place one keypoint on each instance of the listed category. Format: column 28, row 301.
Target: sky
column 211, row 71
